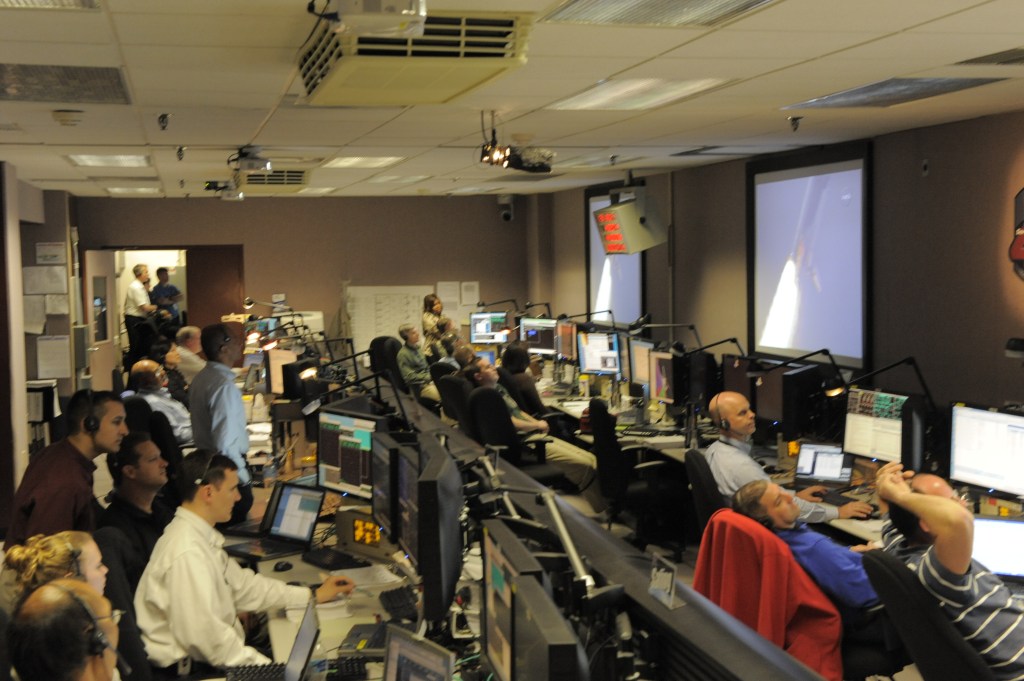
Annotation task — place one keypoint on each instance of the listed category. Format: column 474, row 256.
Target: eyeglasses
column 114, row 615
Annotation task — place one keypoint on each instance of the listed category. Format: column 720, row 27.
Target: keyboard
column 255, row 672
column 837, row 498
column 648, row 432
column 347, row 669
column 400, row 603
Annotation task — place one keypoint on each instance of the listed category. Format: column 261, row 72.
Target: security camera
column 505, row 208
column 162, row 120
column 794, row 122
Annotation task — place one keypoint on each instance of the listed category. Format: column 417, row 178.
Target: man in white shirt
column 191, row 592
column 137, row 308
column 189, row 347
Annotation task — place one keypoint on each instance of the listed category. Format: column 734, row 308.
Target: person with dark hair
column 139, row 473
column 435, row 326
column 164, row 352
column 56, row 493
column 934, row 536
column 516, row 360
column 150, row 382
column 64, row 631
column 166, row 297
column 838, row 570
column 733, row 465
column 218, row 414
column 188, row 601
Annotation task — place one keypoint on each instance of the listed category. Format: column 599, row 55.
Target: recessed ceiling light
column 317, row 191
column 652, row 12
column 133, row 190
column 893, row 91
column 111, row 161
column 398, row 179
column 49, row 4
column 363, row 161
column 627, row 94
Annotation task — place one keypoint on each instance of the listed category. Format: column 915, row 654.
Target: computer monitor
column 599, row 353
column 538, row 334
column 735, row 379
column 488, row 327
column 885, row 426
column 662, row 377
column 565, row 339
column 803, row 401
column 344, row 443
column 275, row 359
column 441, row 502
column 295, row 387
column 544, row 644
column 696, row 378
column 260, row 327
column 407, row 480
column 298, row 508
column 640, row 360
column 410, row 657
column 987, row 448
column 384, row 476
column 505, row 561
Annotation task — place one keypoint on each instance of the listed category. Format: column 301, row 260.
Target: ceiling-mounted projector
column 384, row 18
column 249, row 160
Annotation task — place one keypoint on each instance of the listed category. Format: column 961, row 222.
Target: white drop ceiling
column 225, row 72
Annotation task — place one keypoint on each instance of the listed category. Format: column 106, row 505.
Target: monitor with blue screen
column 599, row 353
column 488, row 327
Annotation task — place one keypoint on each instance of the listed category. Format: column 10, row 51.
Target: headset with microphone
column 722, row 423
column 98, row 641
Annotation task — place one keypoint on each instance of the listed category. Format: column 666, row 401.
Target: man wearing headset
column 64, row 631
column 56, row 493
column 733, row 466
column 218, row 415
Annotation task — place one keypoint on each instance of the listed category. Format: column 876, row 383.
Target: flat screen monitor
column 488, row 327
column 599, row 353
column 255, row 329
column 735, row 379
column 410, row 657
column 538, row 334
column 640, row 360
column 544, row 644
column 384, row 478
column 803, row 401
column 662, row 377
column 696, row 378
column 277, row 358
column 506, row 560
column 344, row 443
column 298, row 508
column 407, row 480
column 441, row 502
column 987, row 449
column 999, row 546
column 874, row 424
column 565, row 339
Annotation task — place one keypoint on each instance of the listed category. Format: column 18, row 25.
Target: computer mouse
column 282, row 566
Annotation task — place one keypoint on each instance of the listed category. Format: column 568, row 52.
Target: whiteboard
column 380, row 310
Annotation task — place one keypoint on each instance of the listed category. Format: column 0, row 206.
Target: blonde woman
column 44, row 558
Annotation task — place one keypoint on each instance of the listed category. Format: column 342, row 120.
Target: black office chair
column 137, row 412
column 439, row 369
column 454, row 391
column 936, row 647
column 384, row 357
column 117, row 380
column 646, row 490
column 493, row 424
column 120, row 559
column 163, row 436
column 706, row 497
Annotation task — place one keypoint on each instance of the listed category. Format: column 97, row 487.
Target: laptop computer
column 261, row 527
column 408, row 656
column 298, row 660
column 821, row 464
column 999, row 546
column 291, row 525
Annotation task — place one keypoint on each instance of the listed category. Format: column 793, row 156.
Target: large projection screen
column 807, row 255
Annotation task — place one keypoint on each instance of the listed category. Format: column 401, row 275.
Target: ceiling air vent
column 455, row 54
column 274, row 182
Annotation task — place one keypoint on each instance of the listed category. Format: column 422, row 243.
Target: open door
column 102, row 316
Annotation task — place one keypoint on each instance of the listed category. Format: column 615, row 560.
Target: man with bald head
column 733, row 465
column 64, row 631
column 150, row 380
column 932, row 531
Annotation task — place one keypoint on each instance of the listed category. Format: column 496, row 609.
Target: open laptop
column 408, row 656
column 291, row 525
column 261, row 527
column 999, row 546
column 820, row 464
column 298, row 660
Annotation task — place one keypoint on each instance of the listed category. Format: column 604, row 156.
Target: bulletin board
column 380, row 310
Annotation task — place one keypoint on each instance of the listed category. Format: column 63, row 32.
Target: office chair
column 124, row 567
column 117, row 380
column 137, row 412
column 936, row 647
column 384, row 357
column 494, row 426
column 163, row 437
column 439, row 369
column 703, row 488
column 646, row 490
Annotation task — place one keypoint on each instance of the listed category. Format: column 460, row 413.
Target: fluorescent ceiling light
column 893, row 91
column 317, row 190
column 49, row 4
column 133, row 190
column 652, row 12
column 363, row 161
column 398, row 179
column 111, row 161
column 628, row 94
